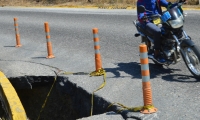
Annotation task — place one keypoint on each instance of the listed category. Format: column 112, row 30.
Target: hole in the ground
column 33, row 91
column 67, row 101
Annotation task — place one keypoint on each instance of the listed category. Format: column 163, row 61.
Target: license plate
column 157, row 21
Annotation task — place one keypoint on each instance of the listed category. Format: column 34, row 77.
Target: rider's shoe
column 150, row 54
column 157, row 58
column 160, row 59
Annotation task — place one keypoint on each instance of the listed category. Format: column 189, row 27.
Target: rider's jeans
column 156, row 31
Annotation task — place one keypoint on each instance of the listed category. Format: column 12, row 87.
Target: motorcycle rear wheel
column 191, row 57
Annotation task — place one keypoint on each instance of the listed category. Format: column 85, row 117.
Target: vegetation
column 68, row 3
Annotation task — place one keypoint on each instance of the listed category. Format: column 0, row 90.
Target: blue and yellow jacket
column 152, row 5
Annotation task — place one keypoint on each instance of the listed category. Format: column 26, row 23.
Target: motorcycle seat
column 142, row 30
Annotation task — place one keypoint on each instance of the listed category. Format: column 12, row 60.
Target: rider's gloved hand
column 143, row 16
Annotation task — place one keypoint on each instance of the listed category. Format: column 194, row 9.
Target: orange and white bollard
column 98, row 61
column 17, row 33
column 146, row 85
column 49, row 46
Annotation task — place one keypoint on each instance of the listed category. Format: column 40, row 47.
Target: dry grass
column 71, row 3
column 67, row 3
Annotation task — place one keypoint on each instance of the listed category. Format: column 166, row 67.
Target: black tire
column 191, row 57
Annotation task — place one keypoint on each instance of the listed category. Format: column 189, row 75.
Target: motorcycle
column 175, row 43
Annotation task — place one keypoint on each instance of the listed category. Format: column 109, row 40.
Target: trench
column 67, row 101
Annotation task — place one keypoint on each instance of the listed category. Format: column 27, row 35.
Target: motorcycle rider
column 154, row 7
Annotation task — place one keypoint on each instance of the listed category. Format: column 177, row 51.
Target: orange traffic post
column 146, row 85
column 17, row 33
column 49, row 45
column 98, row 62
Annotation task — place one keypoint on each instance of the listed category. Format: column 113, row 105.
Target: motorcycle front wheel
column 191, row 57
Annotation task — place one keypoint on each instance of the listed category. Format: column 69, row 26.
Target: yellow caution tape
column 10, row 100
column 100, row 72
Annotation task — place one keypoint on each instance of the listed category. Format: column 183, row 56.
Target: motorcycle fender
column 187, row 42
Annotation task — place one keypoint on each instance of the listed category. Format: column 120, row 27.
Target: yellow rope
column 76, row 73
column 100, row 72
column 47, row 97
column 67, row 73
column 133, row 109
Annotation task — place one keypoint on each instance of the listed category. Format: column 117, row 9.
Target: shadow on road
column 38, row 57
column 9, row 46
column 134, row 69
column 180, row 78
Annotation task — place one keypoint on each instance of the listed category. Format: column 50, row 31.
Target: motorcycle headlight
column 176, row 23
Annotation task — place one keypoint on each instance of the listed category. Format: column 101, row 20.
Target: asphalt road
column 175, row 92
